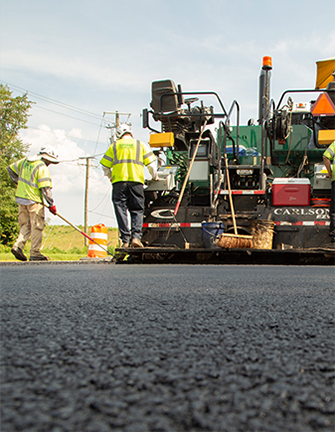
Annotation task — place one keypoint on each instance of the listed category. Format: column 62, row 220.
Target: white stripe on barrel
column 99, row 235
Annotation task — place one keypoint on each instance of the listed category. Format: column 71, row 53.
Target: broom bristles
column 233, row 241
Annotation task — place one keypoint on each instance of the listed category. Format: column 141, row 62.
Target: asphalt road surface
column 164, row 348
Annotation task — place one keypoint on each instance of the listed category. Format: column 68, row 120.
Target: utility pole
column 87, row 165
column 113, row 126
column 116, row 123
column 86, row 195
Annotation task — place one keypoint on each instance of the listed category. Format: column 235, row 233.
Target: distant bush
column 4, row 249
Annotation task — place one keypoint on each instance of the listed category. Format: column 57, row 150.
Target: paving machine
column 265, row 179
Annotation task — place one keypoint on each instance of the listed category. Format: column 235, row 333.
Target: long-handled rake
column 82, row 232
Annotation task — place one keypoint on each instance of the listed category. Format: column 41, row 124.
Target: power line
column 83, row 157
column 98, row 135
column 108, row 191
column 67, row 106
column 83, row 112
column 70, row 107
column 55, row 101
column 99, row 214
column 102, row 118
column 66, row 115
column 66, row 136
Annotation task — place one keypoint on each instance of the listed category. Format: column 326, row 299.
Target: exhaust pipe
column 264, row 89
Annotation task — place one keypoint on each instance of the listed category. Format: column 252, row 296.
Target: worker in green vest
column 329, row 160
column 34, row 184
column 123, row 164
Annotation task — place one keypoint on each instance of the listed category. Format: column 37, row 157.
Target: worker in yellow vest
column 34, row 184
column 123, row 164
column 329, row 160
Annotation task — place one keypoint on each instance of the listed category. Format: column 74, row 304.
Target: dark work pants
column 128, row 196
column 332, row 212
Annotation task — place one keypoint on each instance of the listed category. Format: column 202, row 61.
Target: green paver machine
column 278, row 182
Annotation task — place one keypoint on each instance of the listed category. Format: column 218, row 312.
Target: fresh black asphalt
column 164, row 348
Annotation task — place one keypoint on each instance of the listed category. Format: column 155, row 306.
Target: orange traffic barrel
column 99, row 235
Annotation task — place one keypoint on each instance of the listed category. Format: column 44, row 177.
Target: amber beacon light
column 267, row 62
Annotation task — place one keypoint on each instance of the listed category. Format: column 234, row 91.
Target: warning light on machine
column 267, row 62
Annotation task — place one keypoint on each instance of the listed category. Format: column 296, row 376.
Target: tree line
column 14, row 114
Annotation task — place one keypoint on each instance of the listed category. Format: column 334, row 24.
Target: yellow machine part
column 326, row 137
column 165, row 139
column 325, row 68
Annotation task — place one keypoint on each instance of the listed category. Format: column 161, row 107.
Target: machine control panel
column 166, row 179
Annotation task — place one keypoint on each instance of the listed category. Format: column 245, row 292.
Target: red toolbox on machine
column 291, row 192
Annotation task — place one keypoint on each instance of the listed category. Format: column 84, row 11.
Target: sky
column 80, row 61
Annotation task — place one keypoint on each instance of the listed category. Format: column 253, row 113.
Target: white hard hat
column 49, row 154
column 122, row 129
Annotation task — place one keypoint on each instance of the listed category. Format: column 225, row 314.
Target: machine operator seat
column 165, row 104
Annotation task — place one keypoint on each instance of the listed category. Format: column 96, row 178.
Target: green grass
column 62, row 243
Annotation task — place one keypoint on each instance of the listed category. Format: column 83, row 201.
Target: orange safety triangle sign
column 323, row 106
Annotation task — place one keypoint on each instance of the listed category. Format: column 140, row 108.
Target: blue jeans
column 332, row 211
column 128, row 196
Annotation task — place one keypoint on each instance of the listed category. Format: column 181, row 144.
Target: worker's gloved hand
column 155, row 178
column 53, row 209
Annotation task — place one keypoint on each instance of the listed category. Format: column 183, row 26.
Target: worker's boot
column 136, row 243
column 17, row 252
column 124, row 245
column 38, row 257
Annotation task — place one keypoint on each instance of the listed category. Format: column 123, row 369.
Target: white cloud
column 68, row 177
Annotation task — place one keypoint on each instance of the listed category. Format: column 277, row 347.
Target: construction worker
column 33, row 181
column 328, row 159
column 123, row 164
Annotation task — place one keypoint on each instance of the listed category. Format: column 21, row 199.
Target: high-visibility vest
column 330, row 154
column 127, row 157
column 32, row 177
